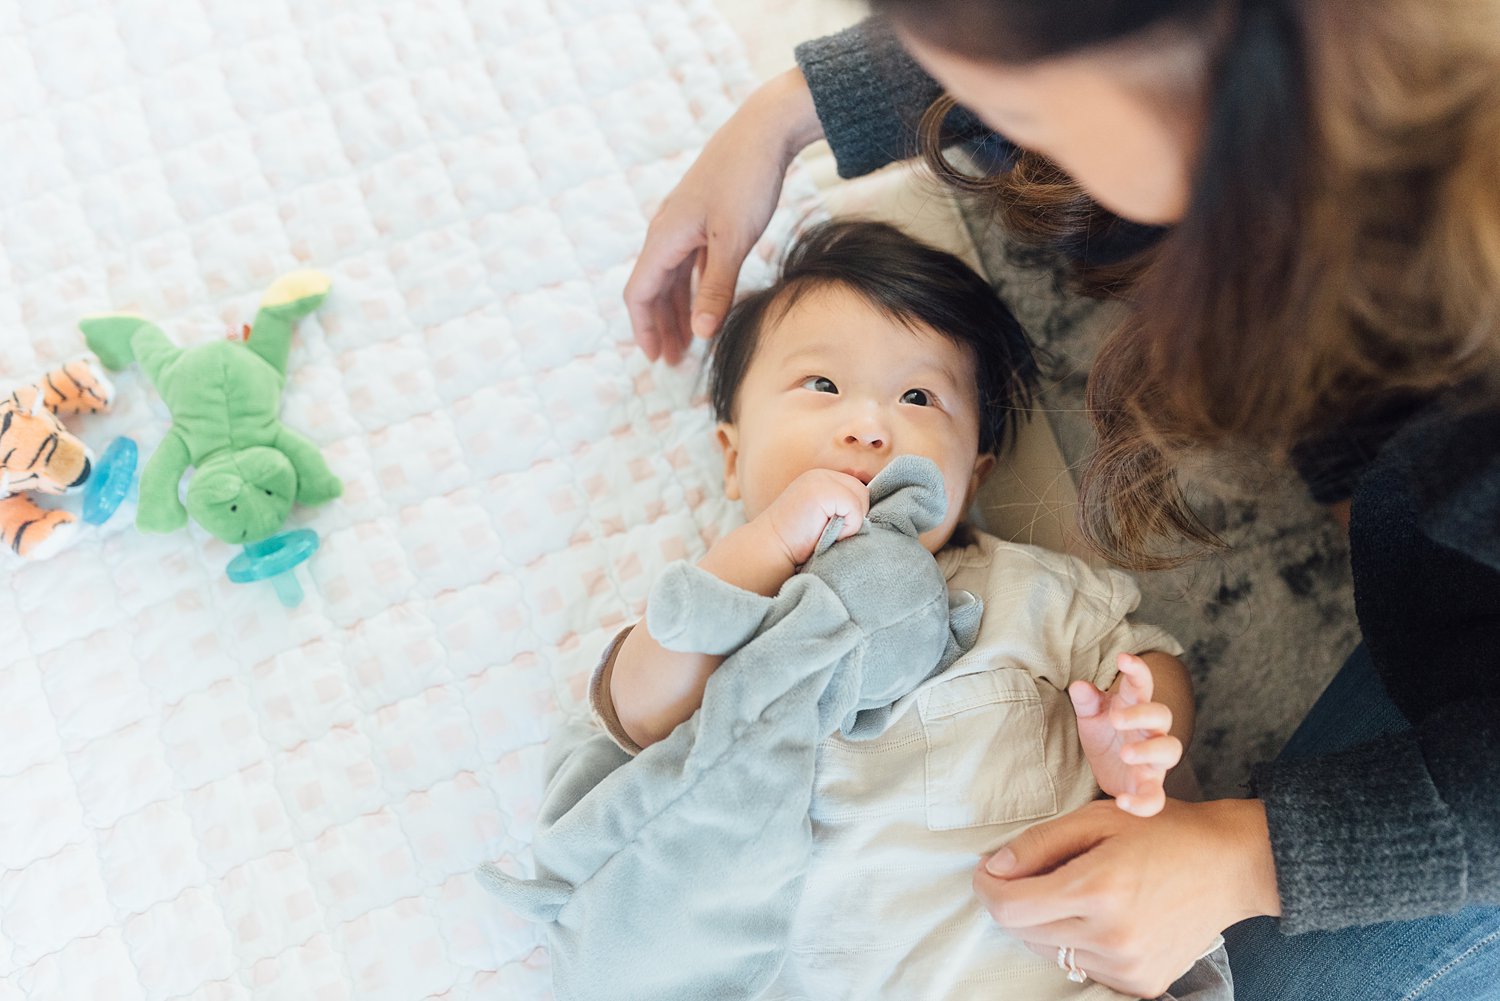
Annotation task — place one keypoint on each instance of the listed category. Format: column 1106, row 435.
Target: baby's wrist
column 751, row 556
column 773, row 533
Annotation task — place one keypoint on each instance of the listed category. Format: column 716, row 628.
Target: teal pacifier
column 274, row 559
column 111, row 482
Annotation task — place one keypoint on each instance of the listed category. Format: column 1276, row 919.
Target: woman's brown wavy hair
column 1341, row 244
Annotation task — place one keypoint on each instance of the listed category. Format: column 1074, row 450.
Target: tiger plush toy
column 38, row 455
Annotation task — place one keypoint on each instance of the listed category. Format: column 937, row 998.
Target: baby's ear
column 983, row 466
column 728, row 437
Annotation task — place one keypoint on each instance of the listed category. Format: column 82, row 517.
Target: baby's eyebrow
column 947, row 373
column 919, row 370
column 816, row 351
column 925, row 369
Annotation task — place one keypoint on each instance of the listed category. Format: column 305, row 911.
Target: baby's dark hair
column 904, row 279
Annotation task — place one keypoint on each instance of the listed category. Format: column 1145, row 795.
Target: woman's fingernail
column 1001, row 862
column 703, row 324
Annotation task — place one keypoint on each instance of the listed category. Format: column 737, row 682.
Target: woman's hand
column 1125, row 737
column 1139, row 900
column 714, row 216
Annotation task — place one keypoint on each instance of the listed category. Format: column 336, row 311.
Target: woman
column 1300, row 204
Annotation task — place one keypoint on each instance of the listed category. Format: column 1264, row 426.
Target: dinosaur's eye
column 268, row 493
column 234, row 507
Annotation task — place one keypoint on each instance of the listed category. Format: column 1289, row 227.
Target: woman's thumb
column 1044, row 847
column 721, row 270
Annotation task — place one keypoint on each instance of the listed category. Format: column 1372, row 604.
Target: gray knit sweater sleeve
column 870, row 96
column 1360, row 837
column 1409, row 826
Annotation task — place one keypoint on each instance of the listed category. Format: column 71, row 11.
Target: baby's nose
column 863, row 423
column 868, row 437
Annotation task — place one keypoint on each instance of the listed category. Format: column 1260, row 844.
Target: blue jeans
column 1448, row 958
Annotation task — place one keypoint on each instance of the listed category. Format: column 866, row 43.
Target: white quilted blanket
column 203, row 794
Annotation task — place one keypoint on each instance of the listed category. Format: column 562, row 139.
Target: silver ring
column 1067, row 961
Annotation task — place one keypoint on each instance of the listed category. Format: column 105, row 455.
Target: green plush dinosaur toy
column 224, row 397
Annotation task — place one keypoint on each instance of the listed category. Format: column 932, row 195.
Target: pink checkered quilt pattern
column 206, row 795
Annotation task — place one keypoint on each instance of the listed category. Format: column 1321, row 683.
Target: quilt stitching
column 213, row 797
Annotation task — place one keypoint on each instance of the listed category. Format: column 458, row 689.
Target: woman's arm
column 1415, row 813
column 859, row 88
column 714, row 215
column 1394, row 829
column 870, row 96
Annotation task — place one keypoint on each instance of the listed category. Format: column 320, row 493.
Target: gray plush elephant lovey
column 676, row 874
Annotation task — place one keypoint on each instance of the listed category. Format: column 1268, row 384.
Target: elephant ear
column 908, row 495
column 965, row 611
column 964, row 614
column 690, row 610
column 533, row 899
column 831, row 534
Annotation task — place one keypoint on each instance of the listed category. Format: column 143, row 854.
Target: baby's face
column 836, row 384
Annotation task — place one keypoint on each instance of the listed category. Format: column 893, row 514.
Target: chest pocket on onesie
column 986, row 755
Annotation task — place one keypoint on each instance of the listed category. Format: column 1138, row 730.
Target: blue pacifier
column 274, row 559
column 111, row 482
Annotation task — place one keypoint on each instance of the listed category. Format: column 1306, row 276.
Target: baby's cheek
column 958, row 495
column 935, row 539
column 759, row 489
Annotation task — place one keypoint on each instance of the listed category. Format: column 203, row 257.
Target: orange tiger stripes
column 38, row 454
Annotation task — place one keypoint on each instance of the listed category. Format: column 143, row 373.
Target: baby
column 870, row 346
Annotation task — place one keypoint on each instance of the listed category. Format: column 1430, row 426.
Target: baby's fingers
column 852, row 521
column 1146, row 801
column 1152, row 716
column 852, row 503
column 1087, row 700
column 1162, row 752
column 1136, row 682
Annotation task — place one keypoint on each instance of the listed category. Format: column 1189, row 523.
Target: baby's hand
column 1124, row 735
column 798, row 517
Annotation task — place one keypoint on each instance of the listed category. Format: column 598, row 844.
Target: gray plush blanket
column 675, row 874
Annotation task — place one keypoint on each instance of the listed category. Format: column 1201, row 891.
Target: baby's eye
column 819, row 384
column 917, row 397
